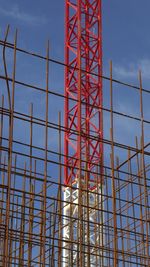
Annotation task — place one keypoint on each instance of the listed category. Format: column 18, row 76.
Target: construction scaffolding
column 33, row 212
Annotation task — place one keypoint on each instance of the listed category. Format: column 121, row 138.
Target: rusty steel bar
column 31, row 187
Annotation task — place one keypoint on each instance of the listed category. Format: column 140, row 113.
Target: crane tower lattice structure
column 84, row 131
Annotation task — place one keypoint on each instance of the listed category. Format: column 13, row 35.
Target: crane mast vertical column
column 83, row 132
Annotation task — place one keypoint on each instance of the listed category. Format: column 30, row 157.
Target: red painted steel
column 83, row 57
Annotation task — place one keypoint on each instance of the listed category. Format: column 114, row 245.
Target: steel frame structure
column 32, row 206
column 83, row 115
column 92, row 232
column 83, row 89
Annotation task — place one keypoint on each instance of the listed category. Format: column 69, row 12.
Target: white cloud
column 131, row 70
column 15, row 13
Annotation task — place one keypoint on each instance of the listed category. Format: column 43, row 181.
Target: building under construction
column 74, row 185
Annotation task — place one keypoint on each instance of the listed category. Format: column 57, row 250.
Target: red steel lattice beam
column 83, row 56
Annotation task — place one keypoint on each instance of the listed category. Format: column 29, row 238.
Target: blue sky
column 126, row 41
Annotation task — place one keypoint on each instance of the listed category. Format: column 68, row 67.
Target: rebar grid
column 31, row 172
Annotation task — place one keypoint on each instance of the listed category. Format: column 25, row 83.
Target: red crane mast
column 83, row 90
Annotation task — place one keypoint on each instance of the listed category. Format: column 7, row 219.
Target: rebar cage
column 32, row 204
